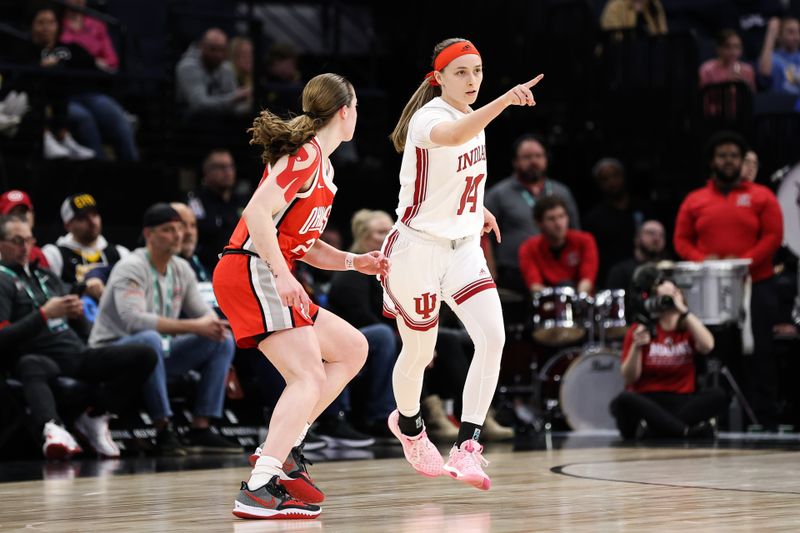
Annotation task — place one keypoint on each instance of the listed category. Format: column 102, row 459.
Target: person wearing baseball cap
column 152, row 298
column 83, row 254
column 18, row 203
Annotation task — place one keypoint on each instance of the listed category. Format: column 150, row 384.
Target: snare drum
column 713, row 290
column 610, row 311
column 560, row 316
column 580, row 383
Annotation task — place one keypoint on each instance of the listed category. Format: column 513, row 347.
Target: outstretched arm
column 324, row 256
column 457, row 132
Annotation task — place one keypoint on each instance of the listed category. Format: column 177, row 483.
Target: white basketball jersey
column 441, row 187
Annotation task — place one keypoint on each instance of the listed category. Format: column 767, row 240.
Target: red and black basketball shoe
column 271, row 502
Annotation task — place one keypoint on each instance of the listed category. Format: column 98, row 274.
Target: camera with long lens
column 655, row 305
column 642, row 305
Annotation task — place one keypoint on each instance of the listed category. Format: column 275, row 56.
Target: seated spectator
column 147, row 293
column 216, row 206
column 358, row 300
column 18, row 203
column 90, row 33
column 512, row 200
column 83, row 250
column 187, row 252
column 727, row 66
column 205, row 81
column 189, row 242
column 647, row 17
column 779, row 62
column 659, row 372
column 91, row 115
column 750, row 166
column 241, row 58
column 558, row 256
column 615, row 221
column 58, row 140
column 42, row 332
column 282, row 79
column 648, row 247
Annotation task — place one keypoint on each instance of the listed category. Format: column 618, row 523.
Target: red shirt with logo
column 745, row 223
column 303, row 219
column 576, row 261
column 667, row 362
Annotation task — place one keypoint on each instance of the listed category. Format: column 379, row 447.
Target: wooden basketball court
column 575, row 490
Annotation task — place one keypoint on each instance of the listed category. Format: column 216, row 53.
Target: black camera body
column 642, row 305
column 655, row 305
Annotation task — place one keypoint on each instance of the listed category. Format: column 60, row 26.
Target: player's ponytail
column 323, row 96
column 424, row 94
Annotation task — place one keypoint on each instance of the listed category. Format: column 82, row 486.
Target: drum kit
column 578, row 381
column 582, row 337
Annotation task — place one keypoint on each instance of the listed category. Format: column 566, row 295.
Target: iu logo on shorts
column 425, row 305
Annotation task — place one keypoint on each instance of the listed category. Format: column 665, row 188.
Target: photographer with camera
column 658, row 366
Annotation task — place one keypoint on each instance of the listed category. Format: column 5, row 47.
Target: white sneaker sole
column 259, row 513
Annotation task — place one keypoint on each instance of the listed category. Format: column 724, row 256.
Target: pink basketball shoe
column 419, row 450
column 466, row 464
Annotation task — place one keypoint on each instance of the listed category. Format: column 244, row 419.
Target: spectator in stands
column 615, row 221
column 189, row 242
column 282, row 80
column 282, row 65
column 750, row 166
column 558, row 256
column 147, row 293
column 43, row 331
column 241, row 58
column 216, row 206
column 91, row 34
column 358, row 300
column 648, row 247
column 206, row 82
column 646, row 17
column 659, row 373
column 734, row 218
column 727, row 66
column 18, row 203
column 58, row 140
column 512, row 201
column 90, row 114
column 83, row 254
column 779, row 62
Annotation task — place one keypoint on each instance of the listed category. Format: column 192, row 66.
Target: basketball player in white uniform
column 436, row 254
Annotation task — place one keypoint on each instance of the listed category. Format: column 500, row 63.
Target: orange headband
column 446, row 56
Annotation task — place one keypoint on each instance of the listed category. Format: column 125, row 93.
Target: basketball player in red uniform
column 436, row 255
column 316, row 352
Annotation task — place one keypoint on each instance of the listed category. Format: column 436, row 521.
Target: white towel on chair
column 747, row 326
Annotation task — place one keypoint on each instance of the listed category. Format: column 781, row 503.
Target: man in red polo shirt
column 732, row 217
column 558, row 256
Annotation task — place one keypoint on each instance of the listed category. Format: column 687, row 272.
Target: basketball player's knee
column 313, row 377
column 357, row 350
column 495, row 340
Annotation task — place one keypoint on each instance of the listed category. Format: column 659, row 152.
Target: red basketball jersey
column 305, row 215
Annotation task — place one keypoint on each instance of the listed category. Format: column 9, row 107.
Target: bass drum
column 789, row 198
column 579, row 383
